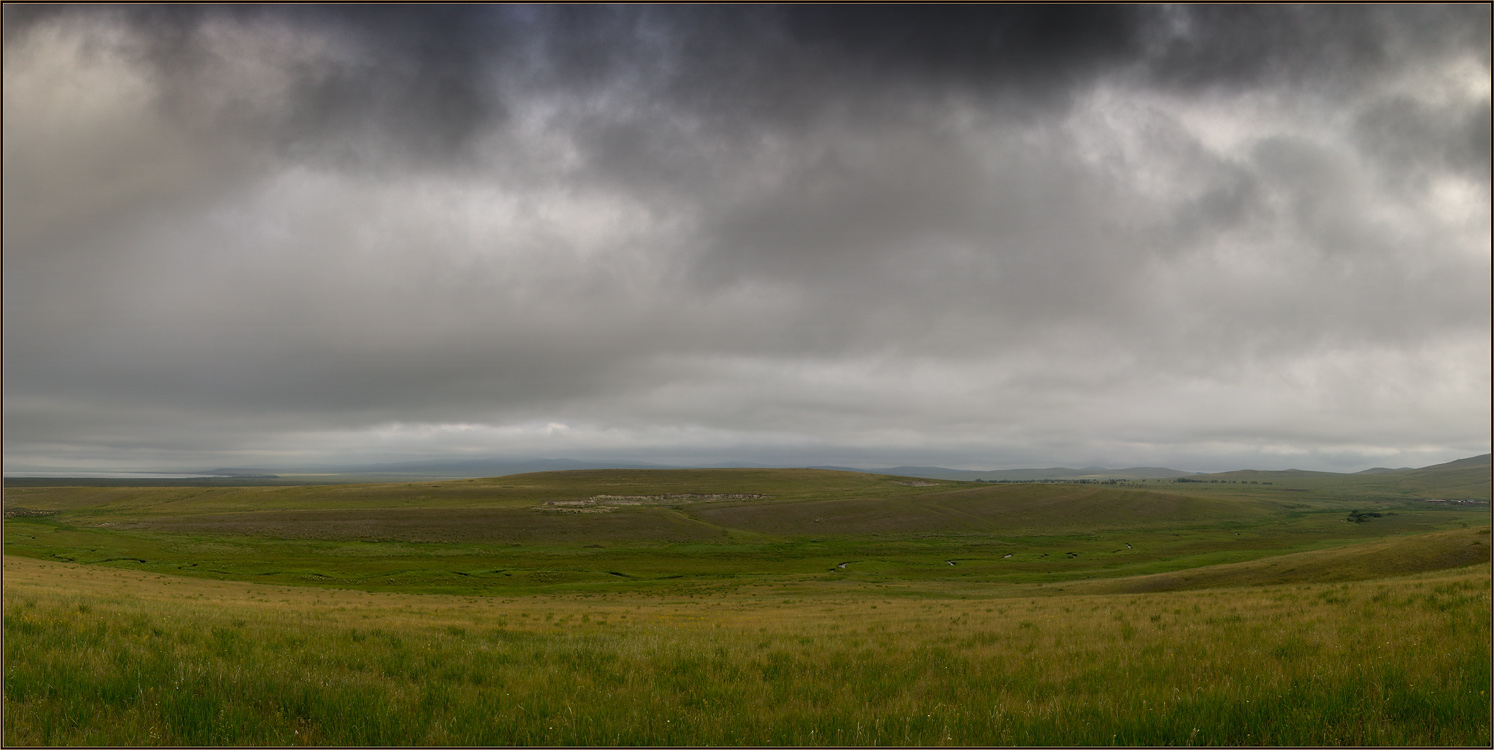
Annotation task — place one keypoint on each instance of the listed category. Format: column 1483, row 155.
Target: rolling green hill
column 1382, row 558
column 669, row 505
column 626, row 528
column 737, row 606
column 981, row 508
column 1464, row 479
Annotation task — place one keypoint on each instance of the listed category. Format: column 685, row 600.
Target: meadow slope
column 114, row 657
column 734, row 606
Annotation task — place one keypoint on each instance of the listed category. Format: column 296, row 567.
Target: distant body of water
column 101, row 475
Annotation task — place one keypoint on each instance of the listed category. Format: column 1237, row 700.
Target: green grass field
column 747, row 607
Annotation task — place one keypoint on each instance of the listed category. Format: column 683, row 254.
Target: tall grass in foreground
column 102, row 657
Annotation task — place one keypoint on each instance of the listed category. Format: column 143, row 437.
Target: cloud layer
column 1207, row 236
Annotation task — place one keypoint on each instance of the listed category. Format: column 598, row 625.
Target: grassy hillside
column 980, row 508
column 742, row 606
column 616, row 530
column 1026, row 475
column 516, row 491
column 675, row 506
column 96, row 656
column 1379, row 558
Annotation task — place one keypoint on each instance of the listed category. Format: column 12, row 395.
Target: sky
column 1204, row 237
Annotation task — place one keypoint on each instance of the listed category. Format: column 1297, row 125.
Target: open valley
column 746, row 606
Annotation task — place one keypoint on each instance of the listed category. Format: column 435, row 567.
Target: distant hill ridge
column 481, row 467
column 1462, row 463
column 1463, row 479
column 493, row 467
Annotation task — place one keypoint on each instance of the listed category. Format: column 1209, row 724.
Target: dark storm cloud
column 428, row 79
column 1034, row 51
column 411, row 89
column 990, row 233
column 1241, row 46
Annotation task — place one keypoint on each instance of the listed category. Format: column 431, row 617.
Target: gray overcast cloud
column 1206, row 237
